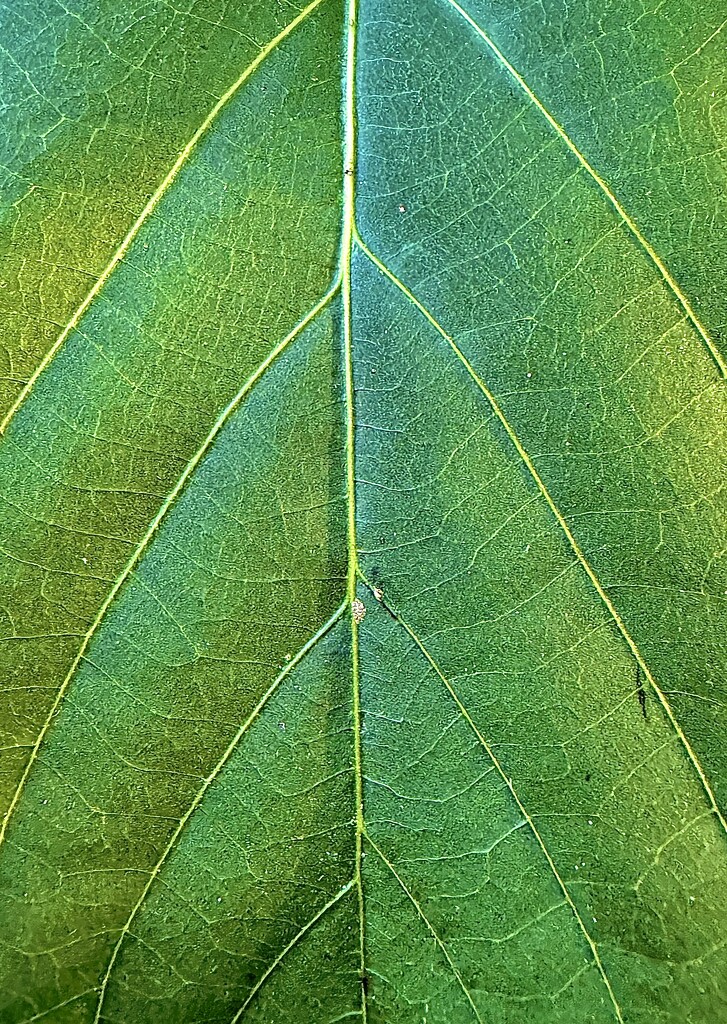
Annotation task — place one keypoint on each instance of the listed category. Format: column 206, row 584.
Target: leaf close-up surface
column 363, row 548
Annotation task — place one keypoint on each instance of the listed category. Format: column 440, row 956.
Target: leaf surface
column 362, row 481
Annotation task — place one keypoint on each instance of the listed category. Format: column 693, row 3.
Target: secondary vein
column 563, row 524
column 151, row 205
column 430, row 927
column 291, row 945
column 145, row 541
column 630, row 223
column 521, row 807
column 232, row 746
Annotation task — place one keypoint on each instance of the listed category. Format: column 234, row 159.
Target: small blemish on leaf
column 359, row 611
column 640, row 691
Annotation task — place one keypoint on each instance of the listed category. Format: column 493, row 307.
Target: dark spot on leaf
column 640, row 691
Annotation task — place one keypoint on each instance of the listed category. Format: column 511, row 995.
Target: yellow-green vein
column 59, row 1006
column 291, row 945
column 348, row 231
column 521, row 807
column 151, row 532
column 232, row 746
column 575, row 547
column 604, row 187
column 153, row 202
column 430, row 926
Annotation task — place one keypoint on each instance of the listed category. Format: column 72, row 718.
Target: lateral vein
column 521, row 807
column 291, row 945
column 575, row 547
column 232, row 746
column 630, row 223
column 151, row 206
column 420, row 911
column 151, row 532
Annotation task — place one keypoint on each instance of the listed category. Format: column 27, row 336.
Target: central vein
column 347, row 239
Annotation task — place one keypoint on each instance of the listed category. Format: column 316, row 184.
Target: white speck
column 590, row 822
column 593, row 919
column 85, row 561
column 528, row 375
column 402, row 208
column 219, row 899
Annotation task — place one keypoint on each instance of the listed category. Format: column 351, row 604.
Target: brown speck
column 359, row 611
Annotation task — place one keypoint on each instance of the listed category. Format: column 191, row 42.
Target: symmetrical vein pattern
column 362, row 565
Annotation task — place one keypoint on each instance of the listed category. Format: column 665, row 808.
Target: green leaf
column 362, row 473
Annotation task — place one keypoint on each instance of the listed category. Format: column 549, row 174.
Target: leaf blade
column 476, row 791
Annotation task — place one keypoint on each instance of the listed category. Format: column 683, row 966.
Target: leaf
column 362, row 479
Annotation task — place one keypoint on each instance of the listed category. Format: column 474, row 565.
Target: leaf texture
column 362, row 480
